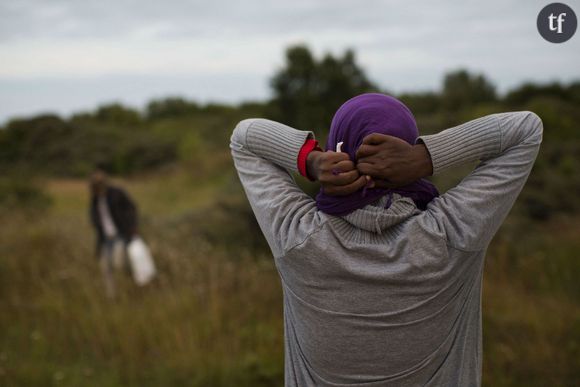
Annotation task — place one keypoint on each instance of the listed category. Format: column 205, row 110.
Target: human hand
column 336, row 173
column 392, row 162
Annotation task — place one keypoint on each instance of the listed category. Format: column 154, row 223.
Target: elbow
column 238, row 137
column 535, row 121
column 535, row 125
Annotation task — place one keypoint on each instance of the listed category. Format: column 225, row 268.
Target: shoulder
column 115, row 192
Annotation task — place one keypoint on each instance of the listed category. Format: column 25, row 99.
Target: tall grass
column 210, row 319
column 213, row 317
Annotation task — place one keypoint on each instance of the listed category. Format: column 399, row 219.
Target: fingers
column 345, row 178
column 375, row 138
column 341, row 173
column 336, row 157
column 344, row 166
column 374, row 143
column 366, row 150
column 367, row 169
column 342, row 190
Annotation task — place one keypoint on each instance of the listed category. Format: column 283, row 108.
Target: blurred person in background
column 114, row 216
column 382, row 275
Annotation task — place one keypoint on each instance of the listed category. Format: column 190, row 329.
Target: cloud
column 402, row 45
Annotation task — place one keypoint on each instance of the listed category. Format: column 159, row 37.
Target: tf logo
column 557, row 22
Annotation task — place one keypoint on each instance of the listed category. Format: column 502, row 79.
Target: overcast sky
column 66, row 55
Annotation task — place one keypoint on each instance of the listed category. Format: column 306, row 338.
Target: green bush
column 20, row 192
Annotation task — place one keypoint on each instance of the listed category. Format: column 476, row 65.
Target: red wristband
column 308, row 147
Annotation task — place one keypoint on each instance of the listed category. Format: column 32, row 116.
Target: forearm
column 270, row 140
column 264, row 152
column 507, row 145
column 471, row 141
column 481, row 139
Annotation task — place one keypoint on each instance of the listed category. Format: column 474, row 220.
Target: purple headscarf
column 357, row 118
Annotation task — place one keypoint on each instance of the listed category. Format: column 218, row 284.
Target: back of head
column 98, row 180
column 352, row 122
column 370, row 113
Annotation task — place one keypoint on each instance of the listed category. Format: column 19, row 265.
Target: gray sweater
column 386, row 297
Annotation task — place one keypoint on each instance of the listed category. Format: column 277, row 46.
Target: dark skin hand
column 336, row 173
column 392, row 162
column 382, row 161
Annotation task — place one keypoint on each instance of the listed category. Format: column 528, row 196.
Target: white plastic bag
column 141, row 261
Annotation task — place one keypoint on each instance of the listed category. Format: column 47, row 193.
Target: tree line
column 306, row 92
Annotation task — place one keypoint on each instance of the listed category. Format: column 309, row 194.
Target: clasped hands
column 382, row 161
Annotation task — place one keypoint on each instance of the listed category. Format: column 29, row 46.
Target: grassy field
column 213, row 317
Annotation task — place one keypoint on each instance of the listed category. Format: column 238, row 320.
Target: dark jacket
column 123, row 211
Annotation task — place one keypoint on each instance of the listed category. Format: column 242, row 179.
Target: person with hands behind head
column 381, row 274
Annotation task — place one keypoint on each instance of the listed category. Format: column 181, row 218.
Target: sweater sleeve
column 265, row 153
column 506, row 145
